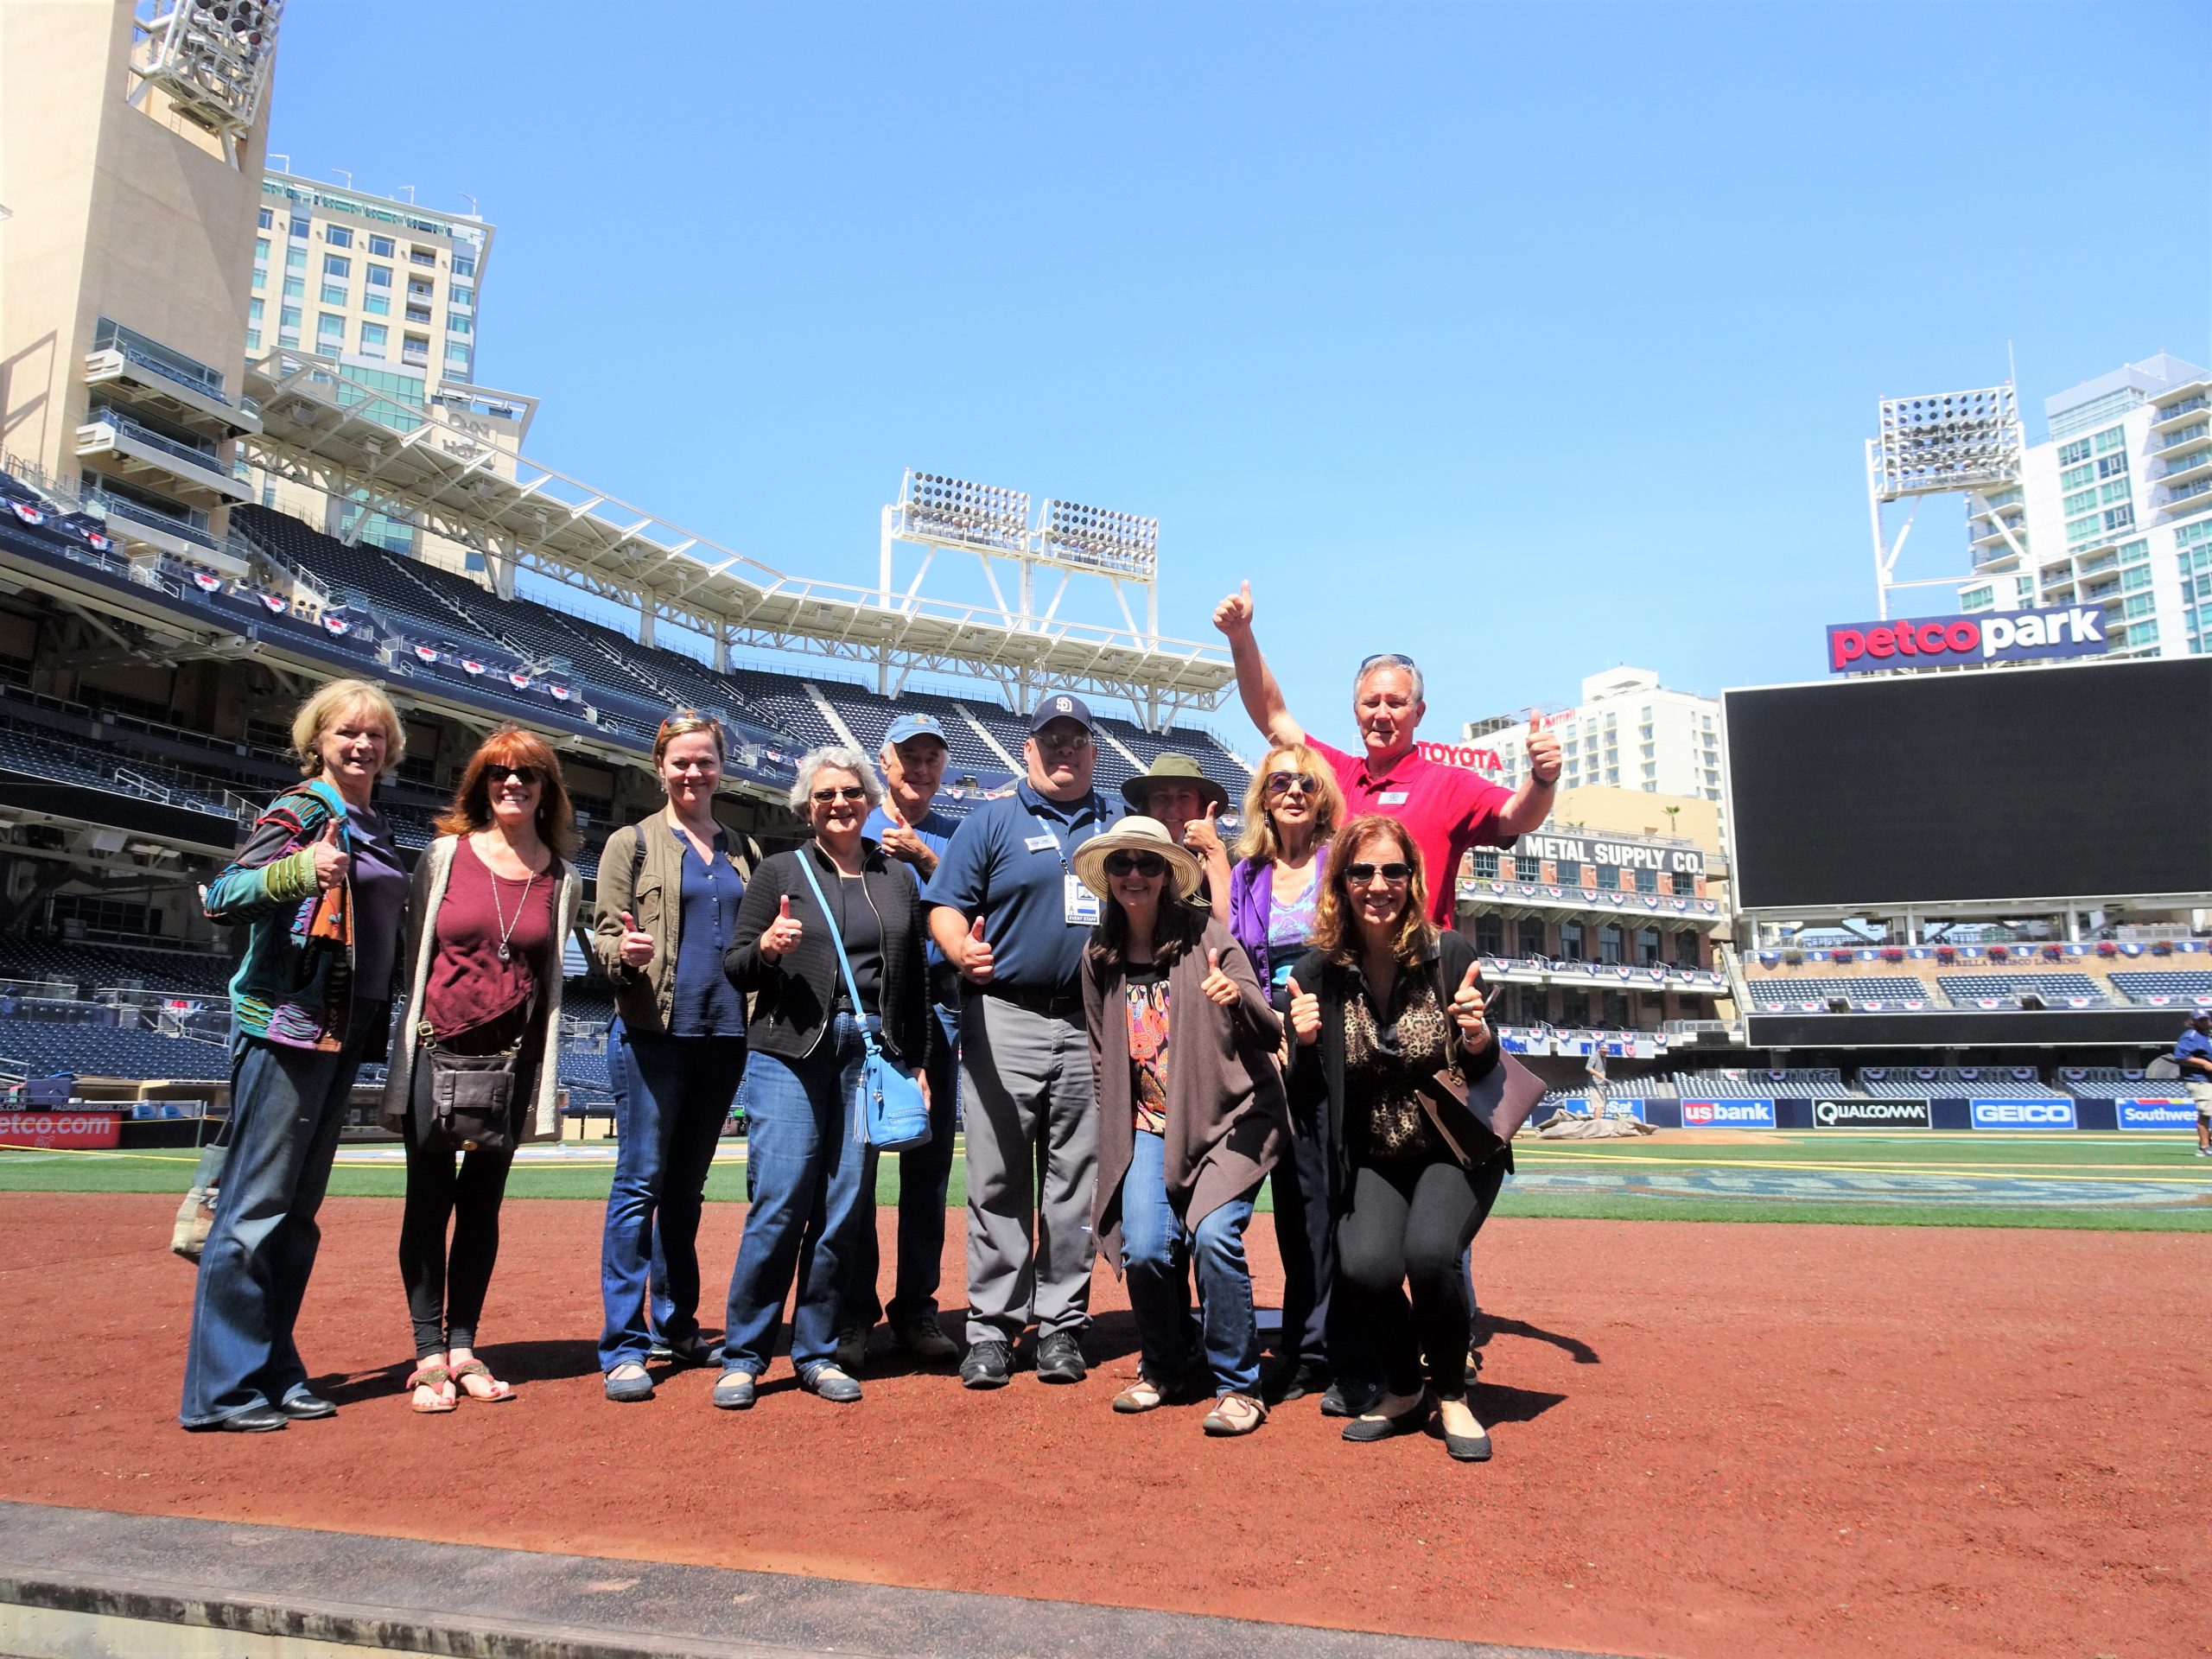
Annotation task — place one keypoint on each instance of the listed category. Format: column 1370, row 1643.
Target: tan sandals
column 437, row 1382
column 495, row 1393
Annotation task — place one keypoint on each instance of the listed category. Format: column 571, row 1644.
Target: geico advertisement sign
column 1728, row 1114
column 2023, row 1114
column 1887, row 1114
column 2156, row 1113
column 1944, row 641
column 59, row 1129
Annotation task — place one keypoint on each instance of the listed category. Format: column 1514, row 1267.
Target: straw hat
column 1137, row 835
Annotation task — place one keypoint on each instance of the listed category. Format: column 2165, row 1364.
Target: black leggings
column 446, row 1297
column 1409, row 1224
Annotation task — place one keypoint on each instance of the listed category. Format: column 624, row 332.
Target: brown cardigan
column 1228, row 1119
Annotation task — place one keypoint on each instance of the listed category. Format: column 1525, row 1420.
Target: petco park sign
column 1949, row 641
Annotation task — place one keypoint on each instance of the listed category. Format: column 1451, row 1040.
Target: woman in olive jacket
column 807, row 1161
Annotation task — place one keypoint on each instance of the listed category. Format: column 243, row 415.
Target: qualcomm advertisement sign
column 2023, row 1114
column 1728, row 1114
column 1949, row 641
column 2156, row 1113
column 1888, row 1113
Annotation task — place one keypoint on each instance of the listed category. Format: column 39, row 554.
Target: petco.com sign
column 74, row 1131
column 1949, row 641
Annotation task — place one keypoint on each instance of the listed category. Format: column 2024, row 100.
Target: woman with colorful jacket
column 321, row 890
column 493, row 900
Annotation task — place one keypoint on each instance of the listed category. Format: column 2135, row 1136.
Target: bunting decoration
column 470, row 666
column 337, row 624
column 277, row 603
column 207, row 580
column 428, row 654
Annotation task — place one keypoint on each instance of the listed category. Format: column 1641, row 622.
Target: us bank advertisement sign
column 1730, row 1114
column 1956, row 641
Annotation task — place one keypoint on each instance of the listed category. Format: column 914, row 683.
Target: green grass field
column 2124, row 1182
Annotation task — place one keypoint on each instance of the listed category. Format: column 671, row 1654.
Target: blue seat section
column 2112, row 1083
column 2179, row 986
column 1882, row 992
column 46, row 1046
column 2015, row 1082
column 2058, row 990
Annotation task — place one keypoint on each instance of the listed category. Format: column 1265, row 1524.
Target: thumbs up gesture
column 977, row 964
column 782, row 933
column 1469, row 1009
column 1233, row 614
column 1219, row 988
column 1543, row 751
column 1305, row 1014
column 1200, row 834
column 332, row 865
column 637, row 948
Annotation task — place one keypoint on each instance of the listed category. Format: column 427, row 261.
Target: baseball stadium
column 1837, row 1299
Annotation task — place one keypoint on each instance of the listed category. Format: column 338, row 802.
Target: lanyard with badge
column 1078, row 903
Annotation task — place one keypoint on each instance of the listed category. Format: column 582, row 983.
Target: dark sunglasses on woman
column 524, row 775
column 1136, row 864
column 1361, row 874
column 1281, row 783
column 849, row 792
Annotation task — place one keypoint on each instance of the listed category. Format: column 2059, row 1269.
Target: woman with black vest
column 807, row 1164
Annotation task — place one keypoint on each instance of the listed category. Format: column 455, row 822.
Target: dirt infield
column 1711, row 1440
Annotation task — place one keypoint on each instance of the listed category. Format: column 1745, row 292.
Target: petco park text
column 1946, row 641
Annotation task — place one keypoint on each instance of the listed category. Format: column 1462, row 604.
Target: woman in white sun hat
column 1192, row 1116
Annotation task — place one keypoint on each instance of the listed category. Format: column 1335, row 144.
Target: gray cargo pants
column 1031, row 1120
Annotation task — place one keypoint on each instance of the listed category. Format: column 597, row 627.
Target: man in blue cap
column 1012, row 918
column 911, row 830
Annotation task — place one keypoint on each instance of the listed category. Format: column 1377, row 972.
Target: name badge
column 1044, row 844
column 1081, row 903
column 1391, row 797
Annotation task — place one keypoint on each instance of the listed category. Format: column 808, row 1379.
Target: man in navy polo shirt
column 913, row 831
column 2193, row 1056
column 1012, row 919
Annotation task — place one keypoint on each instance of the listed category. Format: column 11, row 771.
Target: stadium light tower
column 210, row 57
column 934, row 511
column 1946, row 443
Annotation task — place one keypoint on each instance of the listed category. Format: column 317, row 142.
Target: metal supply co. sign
column 1954, row 641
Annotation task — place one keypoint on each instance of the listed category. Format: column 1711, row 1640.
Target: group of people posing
column 1137, row 1025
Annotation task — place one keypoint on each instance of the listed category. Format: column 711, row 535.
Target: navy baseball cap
column 1061, row 706
column 912, row 726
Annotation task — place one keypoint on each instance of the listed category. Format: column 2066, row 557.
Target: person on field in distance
column 1190, row 1118
column 808, row 1162
column 1446, row 809
column 322, row 892
column 907, row 826
column 1291, row 810
column 1176, row 791
column 493, row 898
column 664, row 917
column 1383, row 1002
column 2193, row 1056
column 1012, row 916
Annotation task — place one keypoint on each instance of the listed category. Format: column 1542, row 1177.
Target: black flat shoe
column 254, row 1419
column 306, row 1408
column 1464, row 1448
column 1411, row 1421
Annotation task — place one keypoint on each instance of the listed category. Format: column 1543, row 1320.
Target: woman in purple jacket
column 1291, row 810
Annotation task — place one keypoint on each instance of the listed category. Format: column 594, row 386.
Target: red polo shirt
column 1446, row 810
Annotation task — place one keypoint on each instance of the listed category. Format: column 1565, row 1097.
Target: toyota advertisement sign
column 1956, row 641
column 1888, row 1113
column 1728, row 1114
column 2023, row 1114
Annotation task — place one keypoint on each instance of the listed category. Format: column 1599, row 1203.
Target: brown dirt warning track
column 1711, row 1441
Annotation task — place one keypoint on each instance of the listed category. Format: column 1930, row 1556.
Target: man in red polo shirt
column 1446, row 809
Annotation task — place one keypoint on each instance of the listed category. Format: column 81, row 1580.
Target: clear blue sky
column 1526, row 340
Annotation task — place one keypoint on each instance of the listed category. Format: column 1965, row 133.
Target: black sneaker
column 989, row 1365
column 1060, row 1358
column 1296, row 1380
column 1349, row 1397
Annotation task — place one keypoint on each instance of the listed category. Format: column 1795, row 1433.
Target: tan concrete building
column 131, row 160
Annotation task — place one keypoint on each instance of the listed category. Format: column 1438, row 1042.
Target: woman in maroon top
column 494, row 899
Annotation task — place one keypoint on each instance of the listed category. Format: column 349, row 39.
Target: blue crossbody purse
column 888, row 1110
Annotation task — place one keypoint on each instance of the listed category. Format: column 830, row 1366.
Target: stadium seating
column 1811, row 993
column 2186, row 988
column 1795, row 1082
column 2109, row 1082
column 2016, row 1082
column 46, row 1046
column 90, row 967
column 2057, row 990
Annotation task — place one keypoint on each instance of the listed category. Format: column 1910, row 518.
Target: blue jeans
column 804, row 1174
column 924, row 1176
column 1157, row 1250
column 672, row 1103
column 287, row 1107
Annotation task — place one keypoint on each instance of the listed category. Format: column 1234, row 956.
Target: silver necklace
column 506, row 927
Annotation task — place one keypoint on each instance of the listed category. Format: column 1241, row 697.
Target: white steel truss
column 1945, row 443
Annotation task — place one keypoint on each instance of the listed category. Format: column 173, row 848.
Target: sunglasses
column 1361, row 874
column 1136, row 864
column 849, row 793
column 1281, row 783
column 1397, row 657
column 524, row 775
column 1071, row 740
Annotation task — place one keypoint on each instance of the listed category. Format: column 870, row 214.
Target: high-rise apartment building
column 1628, row 732
column 386, row 288
column 2114, row 509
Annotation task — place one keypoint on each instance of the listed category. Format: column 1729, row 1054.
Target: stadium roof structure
column 326, row 429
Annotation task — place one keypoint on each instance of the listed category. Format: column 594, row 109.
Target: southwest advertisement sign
column 2023, row 1114
column 1950, row 641
column 2156, row 1113
column 1888, row 1113
column 77, row 1130
column 1728, row 1113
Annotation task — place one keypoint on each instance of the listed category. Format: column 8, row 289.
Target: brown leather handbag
column 1478, row 1120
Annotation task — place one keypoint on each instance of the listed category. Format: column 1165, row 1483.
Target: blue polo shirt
column 2191, row 1042
column 1008, row 862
